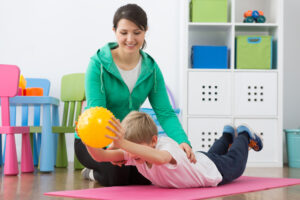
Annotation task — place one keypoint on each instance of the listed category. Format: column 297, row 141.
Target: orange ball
column 261, row 13
column 91, row 127
column 248, row 13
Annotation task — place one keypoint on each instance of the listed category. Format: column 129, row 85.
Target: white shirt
column 184, row 174
column 130, row 77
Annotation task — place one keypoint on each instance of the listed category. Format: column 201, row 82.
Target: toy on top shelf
column 254, row 16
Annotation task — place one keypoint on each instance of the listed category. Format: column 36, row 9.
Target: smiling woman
column 120, row 77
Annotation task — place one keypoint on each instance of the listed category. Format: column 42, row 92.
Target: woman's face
column 129, row 36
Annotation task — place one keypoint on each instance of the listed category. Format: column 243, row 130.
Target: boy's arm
column 101, row 155
column 147, row 153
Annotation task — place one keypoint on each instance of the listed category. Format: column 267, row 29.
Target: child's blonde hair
column 139, row 126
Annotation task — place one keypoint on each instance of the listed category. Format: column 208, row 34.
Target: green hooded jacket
column 105, row 87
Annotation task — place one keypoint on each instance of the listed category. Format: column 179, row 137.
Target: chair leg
column 26, row 155
column 38, row 144
column 61, row 155
column 77, row 164
column 11, row 162
column 33, row 143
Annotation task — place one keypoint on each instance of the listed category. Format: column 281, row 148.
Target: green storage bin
column 254, row 52
column 208, row 11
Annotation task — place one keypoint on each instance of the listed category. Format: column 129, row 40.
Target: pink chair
column 9, row 84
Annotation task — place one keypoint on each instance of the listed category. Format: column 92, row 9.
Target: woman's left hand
column 189, row 152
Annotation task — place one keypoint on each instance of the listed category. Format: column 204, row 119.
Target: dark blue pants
column 231, row 162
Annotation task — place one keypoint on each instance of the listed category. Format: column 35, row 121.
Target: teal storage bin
column 293, row 147
column 254, row 52
column 208, row 11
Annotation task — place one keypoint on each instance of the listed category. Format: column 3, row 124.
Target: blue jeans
column 231, row 162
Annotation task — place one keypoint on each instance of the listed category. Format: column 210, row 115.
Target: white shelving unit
column 211, row 98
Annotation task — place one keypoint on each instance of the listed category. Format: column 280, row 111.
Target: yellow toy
column 22, row 85
column 22, row 82
column 91, row 127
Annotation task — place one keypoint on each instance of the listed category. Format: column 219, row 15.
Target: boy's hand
column 189, row 152
column 118, row 130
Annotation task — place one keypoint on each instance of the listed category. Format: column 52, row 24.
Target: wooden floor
column 33, row 186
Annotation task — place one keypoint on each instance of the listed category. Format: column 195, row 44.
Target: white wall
column 291, row 64
column 48, row 39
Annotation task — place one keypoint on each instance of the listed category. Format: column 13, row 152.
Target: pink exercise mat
column 242, row 185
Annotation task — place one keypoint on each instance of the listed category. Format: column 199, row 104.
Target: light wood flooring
column 33, row 186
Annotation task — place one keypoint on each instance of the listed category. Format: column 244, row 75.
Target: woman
column 120, row 77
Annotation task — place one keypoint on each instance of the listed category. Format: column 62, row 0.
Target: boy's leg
column 221, row 145
column 233, row 164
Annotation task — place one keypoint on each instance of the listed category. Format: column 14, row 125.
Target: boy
column 162, row 161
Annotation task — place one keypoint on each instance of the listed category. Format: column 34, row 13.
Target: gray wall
column 291, row 84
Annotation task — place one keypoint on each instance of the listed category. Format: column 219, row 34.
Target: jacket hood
column 104, row 57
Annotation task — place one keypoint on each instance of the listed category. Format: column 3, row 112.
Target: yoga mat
column 241, row 185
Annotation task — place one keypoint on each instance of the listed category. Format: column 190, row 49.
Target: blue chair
column 35, row 138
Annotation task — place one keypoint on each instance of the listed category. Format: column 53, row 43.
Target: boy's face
column 152, row 144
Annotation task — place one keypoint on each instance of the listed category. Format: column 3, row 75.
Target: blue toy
column 255, row 14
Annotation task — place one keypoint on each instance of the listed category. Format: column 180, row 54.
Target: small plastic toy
column 22, row 85
column 249, row 19
column 261, row 19
column 254, row 16
column 33, row 91
column 91, row 127
column 248, row 13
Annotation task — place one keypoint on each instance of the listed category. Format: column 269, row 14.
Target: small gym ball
column 255, row 14
column 248, row 20
column 261, row 19
column 248, row 13
column 91, row 127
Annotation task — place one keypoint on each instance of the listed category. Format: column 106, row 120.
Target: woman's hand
column 189, row 152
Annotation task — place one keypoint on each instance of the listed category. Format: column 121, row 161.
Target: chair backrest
column 9, row 84
column 72, row 94
column 39, row 82
column 9, row 80
column 72, row 87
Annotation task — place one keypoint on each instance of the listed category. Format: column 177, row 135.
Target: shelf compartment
column 209, row 93
column 269, row 7
column 262, row 30
column 255, row 94
column 203, row 132
column 209, row 35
